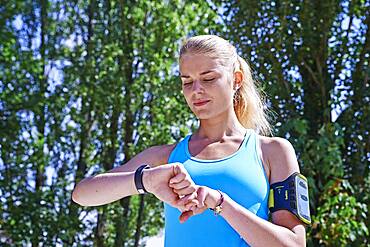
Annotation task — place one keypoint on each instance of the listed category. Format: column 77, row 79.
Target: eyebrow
column 203, row 73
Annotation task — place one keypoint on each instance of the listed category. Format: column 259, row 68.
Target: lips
column 201, row 102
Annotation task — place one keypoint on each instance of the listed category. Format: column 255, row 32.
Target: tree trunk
column 100, row 228
column 41, row 159
column 139, row 220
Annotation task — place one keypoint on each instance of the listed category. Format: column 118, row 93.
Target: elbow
column 293, row 243
column 78, row 195
column 302, row 243
column 77, row 198
column 294, row 238
column 300, row 240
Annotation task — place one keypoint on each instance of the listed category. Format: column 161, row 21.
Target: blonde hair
column 249, row 107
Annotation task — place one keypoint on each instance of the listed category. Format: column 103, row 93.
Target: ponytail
column 248, row 105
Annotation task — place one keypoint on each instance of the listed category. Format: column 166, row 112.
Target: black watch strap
column 139, row 179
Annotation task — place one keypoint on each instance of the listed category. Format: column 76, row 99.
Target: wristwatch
column 139, row 179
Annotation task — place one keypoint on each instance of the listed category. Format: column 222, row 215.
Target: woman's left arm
column 285, row 229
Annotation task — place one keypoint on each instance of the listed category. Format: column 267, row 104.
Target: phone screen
column 302, row 198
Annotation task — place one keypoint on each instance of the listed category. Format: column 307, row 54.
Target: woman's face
column 206, row 85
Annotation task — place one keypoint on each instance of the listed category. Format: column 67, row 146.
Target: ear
column 238, row 78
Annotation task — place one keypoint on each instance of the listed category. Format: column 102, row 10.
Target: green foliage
column 340, row 218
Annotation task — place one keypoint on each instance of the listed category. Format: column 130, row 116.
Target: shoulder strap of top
column 178, row 150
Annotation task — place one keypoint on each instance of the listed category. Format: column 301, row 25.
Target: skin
column 219, row 135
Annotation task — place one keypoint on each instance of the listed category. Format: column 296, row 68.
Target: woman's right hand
column 156, row 181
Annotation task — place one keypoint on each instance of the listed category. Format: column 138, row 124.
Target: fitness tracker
column 139, row 179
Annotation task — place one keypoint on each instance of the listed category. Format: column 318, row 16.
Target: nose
column 197, row 86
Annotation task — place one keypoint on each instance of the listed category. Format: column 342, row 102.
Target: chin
column 201, row 114
column 204, row 115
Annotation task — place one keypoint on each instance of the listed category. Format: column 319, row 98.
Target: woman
column 224, row 166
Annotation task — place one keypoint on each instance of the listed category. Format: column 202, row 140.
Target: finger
column 185, row 191
column 192, row 204
column 178, row 168
column 173, row 199
column 181, row 185
column 178, row 178
column 186, row 199
column 201, row 196
column 198, row 210
column 185, row 216
column 187, row 205
column 182, row 209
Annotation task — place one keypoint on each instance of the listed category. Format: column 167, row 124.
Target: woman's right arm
column 119, row 182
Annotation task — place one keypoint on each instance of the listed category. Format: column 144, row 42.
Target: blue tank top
column 240, row 175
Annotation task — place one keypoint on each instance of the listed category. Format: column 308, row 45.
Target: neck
column 219, row 127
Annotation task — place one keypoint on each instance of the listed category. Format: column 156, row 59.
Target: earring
column 236, row 86
column 236, row 95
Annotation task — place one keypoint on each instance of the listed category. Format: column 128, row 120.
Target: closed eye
column 190, row 82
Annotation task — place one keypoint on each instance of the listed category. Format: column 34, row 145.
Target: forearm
column 104, row 188
column 255, row 230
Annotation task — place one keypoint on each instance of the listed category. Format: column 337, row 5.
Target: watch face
column 303, row 204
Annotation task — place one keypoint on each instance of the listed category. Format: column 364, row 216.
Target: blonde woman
column 215, row 183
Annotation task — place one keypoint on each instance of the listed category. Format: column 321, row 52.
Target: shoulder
column 279, row 154
column 161, row 152
column 158, row 155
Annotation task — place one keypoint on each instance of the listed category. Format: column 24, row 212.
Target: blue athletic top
column 240, row 175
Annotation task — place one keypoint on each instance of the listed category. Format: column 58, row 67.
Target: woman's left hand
column 206, row 198
column 200, row 207
column 193, row 203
